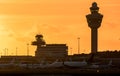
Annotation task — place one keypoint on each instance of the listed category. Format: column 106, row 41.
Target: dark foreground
column 58, row 71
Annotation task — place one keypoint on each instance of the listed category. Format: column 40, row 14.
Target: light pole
column 71, row 51
column 27, row 49
column 6, row 51
column 16, row 51
column 78, row 44
column 1, row 53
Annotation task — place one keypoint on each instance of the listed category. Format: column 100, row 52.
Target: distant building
column 18, row 59
column 49, row 50
column 52, row 50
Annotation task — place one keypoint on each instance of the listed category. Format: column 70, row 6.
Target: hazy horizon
column 59, row 21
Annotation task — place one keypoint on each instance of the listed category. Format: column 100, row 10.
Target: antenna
column 78, row 44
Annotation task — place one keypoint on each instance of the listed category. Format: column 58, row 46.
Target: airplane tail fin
column 90, row 59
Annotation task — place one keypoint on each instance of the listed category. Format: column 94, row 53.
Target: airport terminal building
column 52, row 50
column 49, row 50
column 46, row 52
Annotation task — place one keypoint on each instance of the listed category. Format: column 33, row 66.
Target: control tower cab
column 39, row 41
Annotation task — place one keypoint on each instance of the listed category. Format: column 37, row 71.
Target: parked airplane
column 42, row 64
column 101, row 66
column 69, row 64
column 56, row 64
column 109, row 65
column 88, row 64
column 75, row 64
column 78, row 64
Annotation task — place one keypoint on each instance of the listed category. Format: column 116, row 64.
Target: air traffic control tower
column 94, row 22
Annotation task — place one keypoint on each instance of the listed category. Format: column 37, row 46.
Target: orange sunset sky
column 59, row 21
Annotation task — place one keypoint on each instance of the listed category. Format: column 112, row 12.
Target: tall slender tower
column 94, row 22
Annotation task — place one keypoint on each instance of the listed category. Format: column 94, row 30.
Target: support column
column 94, row 40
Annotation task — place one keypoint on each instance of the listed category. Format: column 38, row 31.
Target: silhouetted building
column 49, row 50
column 18, row 59
column 94, row 21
